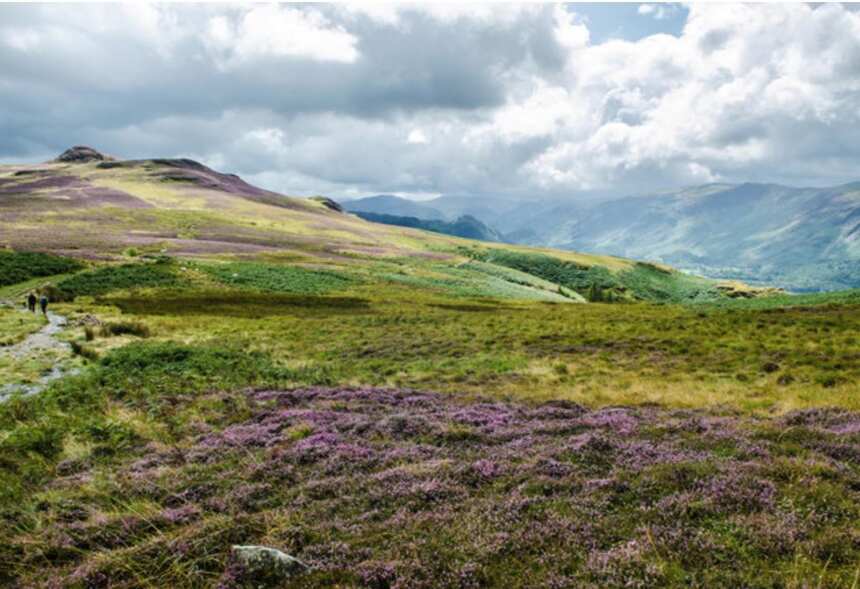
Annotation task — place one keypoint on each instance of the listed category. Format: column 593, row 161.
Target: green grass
column 597, row 283
column 110, row 278
column 109, row 475
column 597, row 354
column 33, row 430
column 784, row 301
column 277, row 278
column 648, row 282
column 18, row 267
column 15, row 325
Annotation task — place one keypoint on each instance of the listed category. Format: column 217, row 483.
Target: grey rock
column 264, row 563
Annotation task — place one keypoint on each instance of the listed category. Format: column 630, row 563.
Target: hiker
column 31, row 302
column 43, row 302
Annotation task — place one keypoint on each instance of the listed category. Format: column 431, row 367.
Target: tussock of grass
column 134, row 328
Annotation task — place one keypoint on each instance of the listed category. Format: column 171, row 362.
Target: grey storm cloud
column 346, row 100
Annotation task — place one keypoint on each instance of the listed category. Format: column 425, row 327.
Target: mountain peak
column 81, row 154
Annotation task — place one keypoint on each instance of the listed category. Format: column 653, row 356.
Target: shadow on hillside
column 248, row 305
column 478, row 308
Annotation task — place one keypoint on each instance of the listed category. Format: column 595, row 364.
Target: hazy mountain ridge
column 386, row 204
column 798, row 238
column 464, row 226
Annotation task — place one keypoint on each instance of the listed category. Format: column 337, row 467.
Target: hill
column 86, row 205
column 466, row 226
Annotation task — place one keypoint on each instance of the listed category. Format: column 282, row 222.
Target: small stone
column 262, row 566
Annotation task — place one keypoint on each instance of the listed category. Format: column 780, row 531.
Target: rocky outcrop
column 81, row 154
column 328, row 203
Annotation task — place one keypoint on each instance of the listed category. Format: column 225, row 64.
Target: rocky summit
column 82, row 154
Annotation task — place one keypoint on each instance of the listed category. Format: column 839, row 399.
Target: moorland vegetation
column 400, row 409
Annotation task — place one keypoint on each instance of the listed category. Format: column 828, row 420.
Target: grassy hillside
column 401, row 409
column 116, row 210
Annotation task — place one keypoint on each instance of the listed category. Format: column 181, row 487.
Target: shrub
column 83, row 351
column 17, row 267
column 144, row 368
column 43, row 437
column 276, row 278
column 111, row 278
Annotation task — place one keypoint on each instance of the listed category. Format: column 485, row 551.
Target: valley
column 800, row 239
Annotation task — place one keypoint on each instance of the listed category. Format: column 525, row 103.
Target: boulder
column 261, row 566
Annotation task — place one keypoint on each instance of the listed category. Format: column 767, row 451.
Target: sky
column 520, row 101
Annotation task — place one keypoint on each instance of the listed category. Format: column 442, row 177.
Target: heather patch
column 400, row 488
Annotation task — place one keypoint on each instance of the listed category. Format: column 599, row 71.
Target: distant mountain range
column 803, row 239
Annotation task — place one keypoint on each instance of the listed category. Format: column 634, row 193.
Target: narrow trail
column 41, row 342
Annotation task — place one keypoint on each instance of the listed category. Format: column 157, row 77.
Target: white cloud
column 658, row 11
column 568, row 31
column 416, row 136
column 22, row 39
column 746, row 91
column 502, row 13
column 271, row 30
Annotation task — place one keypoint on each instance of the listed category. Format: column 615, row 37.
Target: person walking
column 43, row 302
column 31, row 302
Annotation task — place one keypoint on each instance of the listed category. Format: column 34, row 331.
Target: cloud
column 411, row 99
column 416, row 136
column 658, row 11
column 270, row 30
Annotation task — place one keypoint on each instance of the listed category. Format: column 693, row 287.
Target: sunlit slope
column 87, row 205
column 179, row 206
